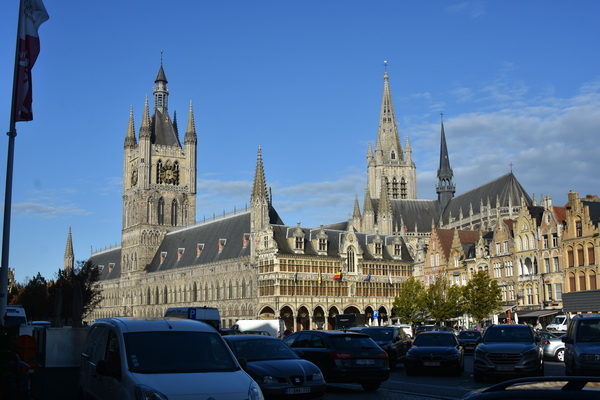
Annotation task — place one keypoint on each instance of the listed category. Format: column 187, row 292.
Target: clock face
column 134, row 178
column 169, row 175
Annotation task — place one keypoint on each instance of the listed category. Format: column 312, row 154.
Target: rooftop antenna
column 385, row 65
column 510, row 165
column 161, row 57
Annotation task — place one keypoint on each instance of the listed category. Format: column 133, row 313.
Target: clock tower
column 159, row 180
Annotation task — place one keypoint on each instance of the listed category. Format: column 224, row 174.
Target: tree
column 409, row 305
column 443, row 301
column 33, row 296
column 482, row 296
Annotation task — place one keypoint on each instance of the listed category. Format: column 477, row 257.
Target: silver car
column 554, row 348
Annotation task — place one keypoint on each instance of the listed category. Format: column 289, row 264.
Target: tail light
column 546, row 342
column 340, row 356
column 383, row 355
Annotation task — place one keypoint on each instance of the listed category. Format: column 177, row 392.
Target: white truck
column 560, row 323
column 274, row 327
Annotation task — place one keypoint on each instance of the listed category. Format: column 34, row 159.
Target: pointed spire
column 368, row 203
column 145, row 127
column 259, row 188
column 175, row 122
column 161, row 93
column 190, row 132
column 388, row 142
column 356, row 213
column 445, row 187
column 130, row 136
column 69, row 258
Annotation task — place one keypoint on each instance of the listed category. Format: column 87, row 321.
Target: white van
column 126, row 358
column 15, row 316
column 209, row 315
column 559, row 323
column 274, row 327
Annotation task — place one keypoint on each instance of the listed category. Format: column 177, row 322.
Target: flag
column 338, row 276
column 32, row 14
column 389, row 278
column 368, row 278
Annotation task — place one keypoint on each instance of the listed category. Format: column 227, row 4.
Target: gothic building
column 249, row 263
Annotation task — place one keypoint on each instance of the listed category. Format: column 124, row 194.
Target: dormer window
column 378, row 249
column 111, row 266
column 180, row 252
column 397, row 250
column 100, row 268
column 245, row 240
column 163, row 256
column 299, row 243
column 222, row 245
column 199, row 248
column 323, row 244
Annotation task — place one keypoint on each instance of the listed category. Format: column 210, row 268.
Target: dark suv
column 582, row 345
column 391, row 339
column 343, row 356
column 508, row 350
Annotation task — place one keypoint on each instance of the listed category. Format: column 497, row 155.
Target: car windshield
column 434, row 340
column 353, row 342
column 589, row 331
column 262, row 349
column 177, row 352
column 380, row 334
column 558, row 320
column 469, row 335
column 508, row 334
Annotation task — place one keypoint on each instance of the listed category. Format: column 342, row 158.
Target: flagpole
column 12, row 133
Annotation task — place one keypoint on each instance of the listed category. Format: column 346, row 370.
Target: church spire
column 69, row 258
column 259, row 200
column 445, row 187
column 145, row 127
column 130, row 136
column 161, row 92
column 388, row 142
column 259, row 188
column 190, row 132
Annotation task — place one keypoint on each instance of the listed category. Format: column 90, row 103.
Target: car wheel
column 371, row 386
column 560, row 355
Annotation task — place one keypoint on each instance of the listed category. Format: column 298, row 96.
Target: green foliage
column 443, row 301
column 409, row 304
column 482, row 296
column 33, row 296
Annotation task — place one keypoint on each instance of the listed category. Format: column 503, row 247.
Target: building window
column 161, row 211
column 546, row 265
column 545, row 241
column 158, row 170
column 456, row 261
column 529, row 296
column 174, row 212
column 394, row 188
column 378, row 249
column 180, row 252
column 163, row 256
column 593, row 281
column 591, row 256
column 580, row 260
column 266, row 242
column 393, row 155
column 299, row 242
column 554, row 240
column 402, row 188
column 506, row 246
column 549, row 291
column 498, row 248
column 582, row 285
column 221, row 245
column 323, row 244
column 351, row 260
column 572, row 287
column 570, row 258
column 558, row 291
column 437, row 259
column 199, row 248
column 578, row 228
column 556, row 264
column 398, row 250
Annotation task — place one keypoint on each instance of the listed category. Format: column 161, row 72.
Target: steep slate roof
column 334, row 239
column 104, row 258
column 162, row 130
column 594, row 210
column 411, row 212
column 231, row 228
column 504, row 188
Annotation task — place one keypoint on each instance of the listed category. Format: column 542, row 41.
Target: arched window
column 174, row 212
column 582, row 285
column 592, row 277
column 243, row 288
column 393, row 155
column 351, row 260
column 161, row 211
column 578, row 228
column 176, row 173
column 394, row 188
column 158, row 170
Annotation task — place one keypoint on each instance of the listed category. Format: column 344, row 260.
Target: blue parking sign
column 375, row 314
column 192, row 313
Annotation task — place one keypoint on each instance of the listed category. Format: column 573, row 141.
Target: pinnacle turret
column 259, row 187
column 69, row 258
column 190, row 132
column 130, row 136
column 145, row 127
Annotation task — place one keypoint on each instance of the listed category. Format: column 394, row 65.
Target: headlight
column 267, row 379
column 254, row 392
column 147, row 393
column 317, row 376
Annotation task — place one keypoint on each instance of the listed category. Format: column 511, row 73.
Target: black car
column 348, row 357
column 469, row 340
column 279, row 371
column 508, row 350
column 540, row 388
column 391, row 339
column 435, row 350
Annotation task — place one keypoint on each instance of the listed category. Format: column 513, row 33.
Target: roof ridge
column 218, row 218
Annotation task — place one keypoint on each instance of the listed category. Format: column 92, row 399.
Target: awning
column 537, row 314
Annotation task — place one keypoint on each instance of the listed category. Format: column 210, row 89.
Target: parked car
column 260, row 333
column 540, row 388
column 435, row 350
column 582, row 345
column 560, row 323
column 508, row 350
column 349, row 357
column 127, row 358
column 553, row 346
column 15, row 316
column 392, row 339
column 433, row 328
column 469, row 340
column 279, row 371
column 406, row 328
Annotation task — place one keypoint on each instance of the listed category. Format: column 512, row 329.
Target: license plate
column 505, row 368
column 431, row 363
column 297, row 390
column 365, row 362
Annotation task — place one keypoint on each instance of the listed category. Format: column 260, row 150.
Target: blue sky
column 518, row 82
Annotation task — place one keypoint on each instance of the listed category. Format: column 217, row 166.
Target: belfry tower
column 389, row 164
column 159, row 180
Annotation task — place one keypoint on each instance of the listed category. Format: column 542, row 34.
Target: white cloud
column 48, row 211
column 473, row 9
